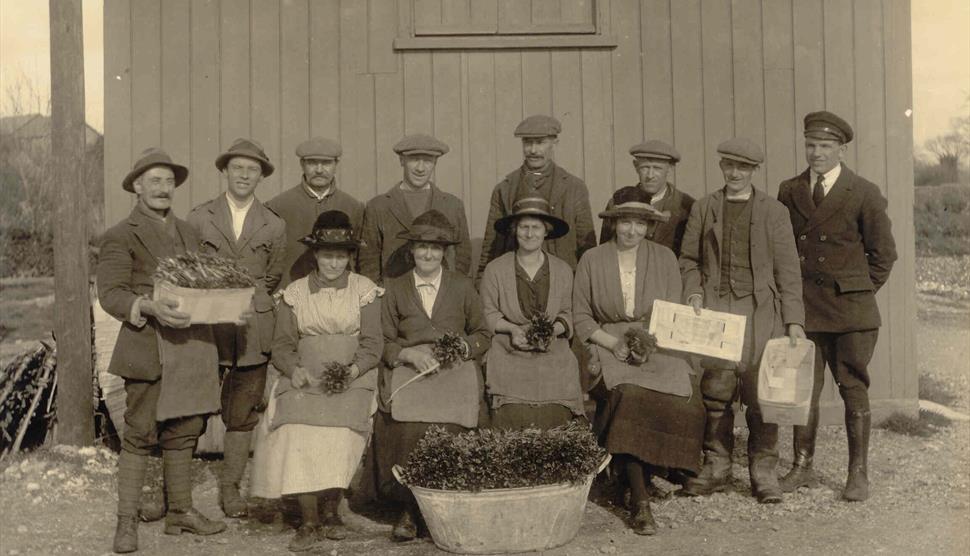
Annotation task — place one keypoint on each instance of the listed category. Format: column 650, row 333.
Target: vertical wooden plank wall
column 193, row 75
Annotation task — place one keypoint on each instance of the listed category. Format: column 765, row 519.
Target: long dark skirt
column 660, row 429
column 517, row 416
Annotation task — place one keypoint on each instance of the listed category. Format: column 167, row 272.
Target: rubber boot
column 762, row 457
column 182, row 517
column 235, row 456
column 718, row 388
column 131, row 477
column 857, row 425
column 803, row 448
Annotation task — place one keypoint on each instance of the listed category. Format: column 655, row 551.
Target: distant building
column 37, row 127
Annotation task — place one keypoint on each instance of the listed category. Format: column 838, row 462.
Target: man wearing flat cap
column 169, row 366
column 846, row 248
column 237, row 226
column 738, row 256
column 385, row 255
column 653, row 161
column 317, row 193
column 540, row 176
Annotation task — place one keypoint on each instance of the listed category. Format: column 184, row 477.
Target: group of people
column 373, row 287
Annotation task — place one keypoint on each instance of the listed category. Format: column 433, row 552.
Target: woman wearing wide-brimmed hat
column 530, row 384
column 650, row 415
column 420, row 307
column 311, row 439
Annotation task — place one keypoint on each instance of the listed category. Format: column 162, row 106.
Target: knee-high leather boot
column 857, row 425
column 803, row 448
column 762, row 457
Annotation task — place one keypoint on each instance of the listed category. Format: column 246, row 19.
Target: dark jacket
column 260, row 250
column 129, row 253
column 384, row 256
column 846, row 249
column 568, row 200
column 670, row 233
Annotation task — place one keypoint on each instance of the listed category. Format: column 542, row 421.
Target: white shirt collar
column 318, row 196
column 405, row 186
column 236, row 206
column 829, row 178
column 658, row 196
column 435, row 282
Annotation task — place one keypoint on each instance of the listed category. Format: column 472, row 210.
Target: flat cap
column 655, row 149
column 826, row 125
column 742, row 150
column 538, row 125
column 320, row 148
column 419, row 143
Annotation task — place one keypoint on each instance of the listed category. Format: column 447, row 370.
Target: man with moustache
column 539, row 176
column 653, row 161
column 236, row 226
column 169, row 367
column 317, row 193
column 847, row 251
column 384, row 255
column 738, row 256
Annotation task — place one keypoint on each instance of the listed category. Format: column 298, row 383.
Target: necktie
column 818, row 192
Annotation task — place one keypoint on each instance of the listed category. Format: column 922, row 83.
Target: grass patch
column 926, row 425
column 941, row 215
column 935, row 390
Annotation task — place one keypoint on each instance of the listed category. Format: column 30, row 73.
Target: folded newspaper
column 712, row 333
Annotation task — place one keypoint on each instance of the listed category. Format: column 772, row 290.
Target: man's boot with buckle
column 801, row 473
column 126, row 535
column 857, row 425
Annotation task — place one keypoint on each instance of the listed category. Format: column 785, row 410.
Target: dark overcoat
column 129, row 253
column 670, row 234
column 261, row 250
column 845, row 247
column 384, row 255
column 568, row 200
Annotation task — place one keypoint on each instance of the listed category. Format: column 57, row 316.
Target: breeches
column 848, row 355
column 143, row 432
column 242, row 393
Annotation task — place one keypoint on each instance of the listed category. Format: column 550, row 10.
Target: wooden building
column 192, row 75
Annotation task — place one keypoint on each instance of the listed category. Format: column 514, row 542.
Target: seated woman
column 651, row 415
column 419, row 308
column 312, row 436
column 530, row 385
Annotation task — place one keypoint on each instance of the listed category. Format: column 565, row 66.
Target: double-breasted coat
column 568, row 200
column 774, row 262
column 845, row 247
column 384, row 255
column 670, row 233
column 130, row 252
column 260, row 250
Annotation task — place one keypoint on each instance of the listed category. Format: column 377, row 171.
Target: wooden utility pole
column 72, row 298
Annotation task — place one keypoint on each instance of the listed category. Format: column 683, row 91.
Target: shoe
column 405, row 529
column 152, row 511
column 191, row 521
column 705, row 486
column 126, row 535
column 231, row 502
column 334, row 528
column 798, row 477
column 306, row 537
column 768, row 496
column 642, row 522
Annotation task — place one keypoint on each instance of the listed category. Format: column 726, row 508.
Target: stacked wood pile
column 26, row 398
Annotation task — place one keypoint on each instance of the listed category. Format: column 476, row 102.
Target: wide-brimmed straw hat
column 332, row 229
column 249, row 149
column 431, row 227
column 148, row 159
column 633, row 202
column 535, row 207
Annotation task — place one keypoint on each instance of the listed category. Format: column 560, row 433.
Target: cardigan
column 500, row 300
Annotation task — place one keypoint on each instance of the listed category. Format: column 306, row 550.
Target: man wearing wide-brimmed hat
column 316, row 193
column 846, row 247
column 540, row 176
column 236, row 225
column 738, row 256
column 384, row 254
column 654, row 160
column 169, row 387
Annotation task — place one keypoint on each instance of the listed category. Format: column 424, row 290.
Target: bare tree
column 953, row 147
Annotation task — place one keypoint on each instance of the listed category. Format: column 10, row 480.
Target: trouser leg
column 242, row 392
column 719, row 388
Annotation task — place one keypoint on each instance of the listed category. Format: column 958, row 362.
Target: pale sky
column 941, row 60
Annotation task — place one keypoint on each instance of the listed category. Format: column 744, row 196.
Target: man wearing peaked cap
column 316, row 193
column 159, row 414
column 384, row 253
column 236, row 225
column 653, row 160
column 540, row 176
column 738, row 256
column 846, row 248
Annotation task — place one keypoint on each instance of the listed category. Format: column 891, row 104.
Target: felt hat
column 431, row 227
column 633, row 202
column 535, row 207
column 249, row 149
column 742, row 150
column 657, row 150
column 538, row 125
column 419, row 143
column 319, row 148
column 149, row 158
column 331, row 229
column 826, row 125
